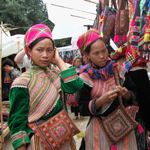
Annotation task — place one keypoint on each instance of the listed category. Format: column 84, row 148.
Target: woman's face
column 77, row 63
column 98, row 53
column 42, row 53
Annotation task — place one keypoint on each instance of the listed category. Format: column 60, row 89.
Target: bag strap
column 118, row 83
column 120, row 98
column 63, row 99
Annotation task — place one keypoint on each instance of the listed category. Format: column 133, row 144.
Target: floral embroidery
column 117, row 126
column 60, row 130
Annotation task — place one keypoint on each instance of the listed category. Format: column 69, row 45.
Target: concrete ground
column 81, row 124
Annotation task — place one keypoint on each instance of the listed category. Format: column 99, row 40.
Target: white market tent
column 8, row 45
column 11, row 44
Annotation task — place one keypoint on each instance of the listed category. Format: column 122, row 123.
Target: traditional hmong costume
column 95, row 86
column 98, row 81
column 35, row 95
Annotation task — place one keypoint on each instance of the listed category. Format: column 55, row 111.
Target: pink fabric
column 113, row 147
column 88, row 37
column 140, row 128
column 35, row 32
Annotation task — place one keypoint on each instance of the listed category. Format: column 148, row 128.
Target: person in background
column 99, row 95
column 22, row 60
column 35, row 96
column 139, row 76
column 6, row 86
column 72, row 98
column 8, row 66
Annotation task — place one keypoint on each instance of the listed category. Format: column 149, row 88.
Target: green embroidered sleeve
column 70, row 81
column 18, row 114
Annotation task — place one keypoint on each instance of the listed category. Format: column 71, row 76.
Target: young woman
column 99, row 95
column 35, row 96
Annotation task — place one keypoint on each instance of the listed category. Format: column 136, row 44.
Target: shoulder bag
column 119, row 123
column 56, row 130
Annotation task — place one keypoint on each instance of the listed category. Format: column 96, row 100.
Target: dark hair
column 38, row 40
column 8, row 62
column 87, row 49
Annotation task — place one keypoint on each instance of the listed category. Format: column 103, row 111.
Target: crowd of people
column 93, row 85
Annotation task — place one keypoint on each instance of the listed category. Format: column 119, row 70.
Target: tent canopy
column 11, row 44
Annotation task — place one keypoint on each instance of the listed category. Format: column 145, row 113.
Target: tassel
column 124, row 38
column 120, row 49
column 80, row 135
column 102, row 35
column 116, row 38
column 146, row 37
column 140, row 128
column 113, row 147
column 132, row 22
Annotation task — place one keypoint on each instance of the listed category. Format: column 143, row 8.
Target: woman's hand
column 58, row 61
column 123, row 92
column 56, row 57
column 108, row 97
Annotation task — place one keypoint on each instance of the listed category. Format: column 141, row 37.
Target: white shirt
column 26, row 63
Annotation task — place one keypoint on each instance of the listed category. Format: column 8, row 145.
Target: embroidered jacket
column 97, row 85
column 35, row 96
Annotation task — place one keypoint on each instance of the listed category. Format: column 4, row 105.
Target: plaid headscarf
column 88, row 37
column 35, row 32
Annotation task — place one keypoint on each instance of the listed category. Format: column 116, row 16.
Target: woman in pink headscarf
column 35, row 96
column 99, row 95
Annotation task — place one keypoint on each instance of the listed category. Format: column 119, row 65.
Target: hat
column 120, row 52
column 76, row 57
column 87, row 38
column 35, row 32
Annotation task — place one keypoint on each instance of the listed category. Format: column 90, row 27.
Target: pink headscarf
column 87, row 38
column 35, row 32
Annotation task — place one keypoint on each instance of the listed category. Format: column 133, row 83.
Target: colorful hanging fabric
column 121, row 22
column 133, row 49
column 142, row 2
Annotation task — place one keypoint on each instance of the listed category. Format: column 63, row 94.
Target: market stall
column 9, row 45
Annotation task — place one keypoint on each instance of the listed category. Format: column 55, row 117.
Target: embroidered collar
column 96, row 73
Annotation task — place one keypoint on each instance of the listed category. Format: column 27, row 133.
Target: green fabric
column 17, row 143
column 19, row 105
column 76, row 84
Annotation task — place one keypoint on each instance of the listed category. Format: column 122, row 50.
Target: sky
column 70, row 16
